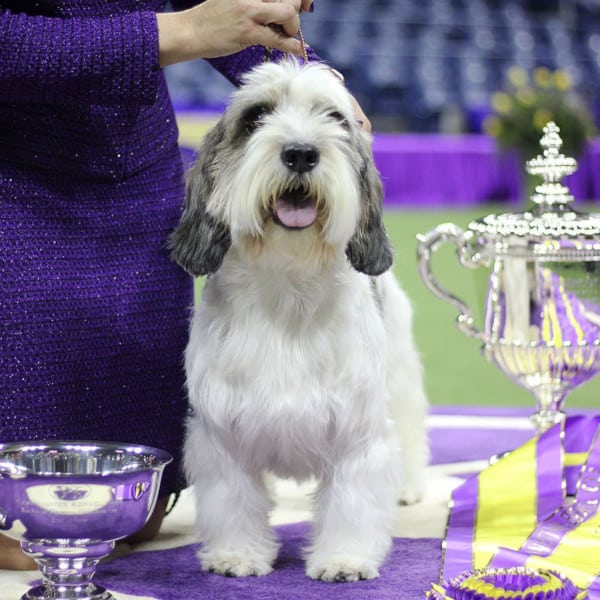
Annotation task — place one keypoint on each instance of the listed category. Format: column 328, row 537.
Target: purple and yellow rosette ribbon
column 507, row 584
column 537, row 508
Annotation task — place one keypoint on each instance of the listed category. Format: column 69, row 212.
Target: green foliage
column 529, row 102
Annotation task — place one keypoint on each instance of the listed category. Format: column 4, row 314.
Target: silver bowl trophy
column 541, row 313
column 68, row 502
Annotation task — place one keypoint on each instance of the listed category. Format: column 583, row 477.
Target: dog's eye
column 253, row 117
column 336, row 115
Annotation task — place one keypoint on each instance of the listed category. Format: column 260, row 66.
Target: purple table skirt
column 436, row 171
column 464, row 170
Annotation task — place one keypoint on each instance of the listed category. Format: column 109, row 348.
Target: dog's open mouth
column 295, row 209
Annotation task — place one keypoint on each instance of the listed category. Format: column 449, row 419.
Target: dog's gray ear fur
column 369, row 250
column 200, row 241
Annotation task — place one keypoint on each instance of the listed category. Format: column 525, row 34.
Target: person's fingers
column 280, row 13
column 360, row 116
column 299, row 5
column 366, row 125
column 275, row 38
column 296, row 4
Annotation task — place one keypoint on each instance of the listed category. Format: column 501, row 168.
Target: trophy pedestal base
column 90, row 592
column 544, row 420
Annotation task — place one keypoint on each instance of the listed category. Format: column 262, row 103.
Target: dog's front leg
column 354, row 515
column 232, row 510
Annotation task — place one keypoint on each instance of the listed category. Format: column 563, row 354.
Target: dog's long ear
column 200, row 241
column 369, row 249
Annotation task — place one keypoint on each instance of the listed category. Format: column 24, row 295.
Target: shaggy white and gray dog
column 300, row 361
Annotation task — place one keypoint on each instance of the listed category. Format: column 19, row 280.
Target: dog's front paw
column 231, row 564
column 411, row 493
column 342, row 569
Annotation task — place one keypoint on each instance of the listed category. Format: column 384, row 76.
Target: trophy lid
column 551, row 225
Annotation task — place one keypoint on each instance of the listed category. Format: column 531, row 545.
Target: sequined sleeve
column 103, row 61
column 235, row 65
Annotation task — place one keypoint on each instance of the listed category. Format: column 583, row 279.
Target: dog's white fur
column 296, row 360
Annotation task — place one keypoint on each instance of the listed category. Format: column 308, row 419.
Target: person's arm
column 231, row 34
column 221, row 27
column 183, row 34
column 108, row 60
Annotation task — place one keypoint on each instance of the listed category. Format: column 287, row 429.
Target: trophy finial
column 552, row 166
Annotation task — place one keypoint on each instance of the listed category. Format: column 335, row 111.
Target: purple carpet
column 176, row 575
column 411, row 567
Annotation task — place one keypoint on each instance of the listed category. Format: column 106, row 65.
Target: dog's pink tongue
column 292, row 215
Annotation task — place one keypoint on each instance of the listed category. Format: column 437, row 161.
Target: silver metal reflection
column 541, row 313
column 68, row 502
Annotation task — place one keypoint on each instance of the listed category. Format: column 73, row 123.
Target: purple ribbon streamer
column 458, row 545
column 555, row 517
column 549, row 478
column 579, row 434
column 550, row 531
column 594, row 589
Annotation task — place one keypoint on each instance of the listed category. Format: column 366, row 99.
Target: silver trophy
column 68, row 502
column 541, row 307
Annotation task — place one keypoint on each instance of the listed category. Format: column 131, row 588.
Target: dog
column 300, row 362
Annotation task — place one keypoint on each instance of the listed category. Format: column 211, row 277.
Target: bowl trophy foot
column 91, row 592
column 67, row 570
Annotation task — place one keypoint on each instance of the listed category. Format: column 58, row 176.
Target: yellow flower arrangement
column 520, row 112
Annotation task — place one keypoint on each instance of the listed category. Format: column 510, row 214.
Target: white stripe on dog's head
column 286, row 177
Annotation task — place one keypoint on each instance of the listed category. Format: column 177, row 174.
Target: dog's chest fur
column 274, row 364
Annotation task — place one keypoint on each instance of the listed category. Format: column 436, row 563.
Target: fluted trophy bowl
column 541, row 305
column 68, row 502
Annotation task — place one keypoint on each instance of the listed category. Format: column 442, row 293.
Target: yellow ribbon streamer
column 506, row 513
column 506, row 517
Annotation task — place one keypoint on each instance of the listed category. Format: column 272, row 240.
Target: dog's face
column 285, row 175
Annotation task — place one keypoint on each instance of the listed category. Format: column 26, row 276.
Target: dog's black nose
column 300, row 157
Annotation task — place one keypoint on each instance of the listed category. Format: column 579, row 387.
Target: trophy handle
column 429, row 243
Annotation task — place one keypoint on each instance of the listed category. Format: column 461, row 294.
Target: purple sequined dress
column 93, row 313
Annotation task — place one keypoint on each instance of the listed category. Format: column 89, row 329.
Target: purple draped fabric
column 432, row 170
column 93, row 313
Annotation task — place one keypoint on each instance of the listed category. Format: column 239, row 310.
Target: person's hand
column 220, row 27
column 307, row 5
column 361, row 118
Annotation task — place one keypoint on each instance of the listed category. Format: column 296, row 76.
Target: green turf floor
column 456, row 372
